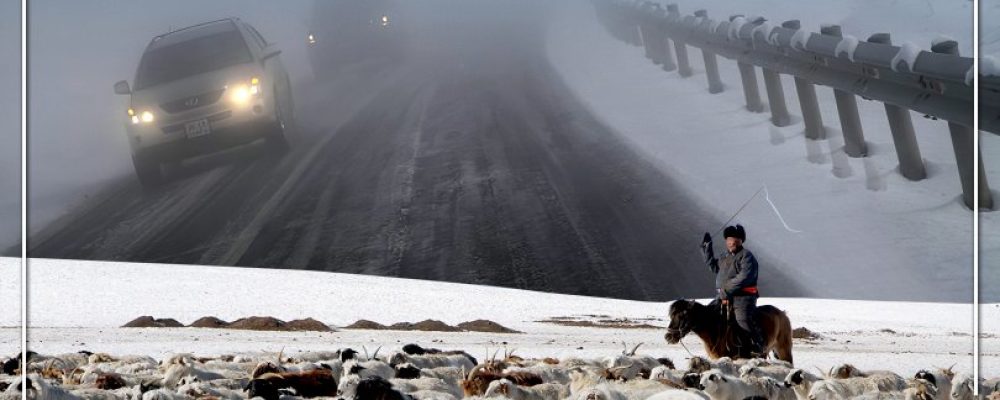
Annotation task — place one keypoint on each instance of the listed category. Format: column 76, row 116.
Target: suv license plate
column 197, row 128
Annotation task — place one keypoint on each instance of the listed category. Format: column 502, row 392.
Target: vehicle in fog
column 345, row 32
column 202, row 89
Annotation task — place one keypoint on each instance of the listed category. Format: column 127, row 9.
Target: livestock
column 313, row 383
column 939, row 377
column 962, row 386
column 719, row 386
column 919, row 390
column 461, row 360
column 479, row 379
column 832, row 388
column 508, row 389
column 718, row 336
column 368, row 368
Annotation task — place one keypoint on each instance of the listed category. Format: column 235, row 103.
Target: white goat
column 549, row 373
column 545, row 391
column 177, row 371
column 368, row 368
column 719, row 386
column 433, row 360
column 679, row 395
column 962, row 387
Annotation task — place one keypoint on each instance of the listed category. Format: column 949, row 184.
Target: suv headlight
column 243, row 92
column 145, row 116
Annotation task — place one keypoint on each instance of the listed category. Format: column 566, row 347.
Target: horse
column 724, row 338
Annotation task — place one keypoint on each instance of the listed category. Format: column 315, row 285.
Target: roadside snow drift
column 78, row 305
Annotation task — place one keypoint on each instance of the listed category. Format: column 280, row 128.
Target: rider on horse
column 736, row 280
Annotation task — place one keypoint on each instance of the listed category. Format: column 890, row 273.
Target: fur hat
column 736, row 232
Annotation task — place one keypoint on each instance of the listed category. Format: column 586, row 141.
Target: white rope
column 767, row 197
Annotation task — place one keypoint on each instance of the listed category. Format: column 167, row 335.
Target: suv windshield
column 191, row 57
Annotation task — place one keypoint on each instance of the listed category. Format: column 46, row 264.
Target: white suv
column 202, row 89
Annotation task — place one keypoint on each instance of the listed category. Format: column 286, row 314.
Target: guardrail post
column 776, row 98
column 911, row 164
column 683, row 65
column 666, row 55
column 964, row 145
column 811, row 116
column 847, row 108
column 647, row 37
column 711, row 63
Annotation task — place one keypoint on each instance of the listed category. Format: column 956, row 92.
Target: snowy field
column 866, row 232
column 79, row 305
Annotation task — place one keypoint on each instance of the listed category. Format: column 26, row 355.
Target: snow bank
column 69, row 315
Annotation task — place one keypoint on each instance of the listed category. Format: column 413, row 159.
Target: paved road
column 469, row 161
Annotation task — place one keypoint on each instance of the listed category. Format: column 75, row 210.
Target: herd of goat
column 420, row 373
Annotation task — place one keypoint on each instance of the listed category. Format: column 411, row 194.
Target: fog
column 79, row 50
column 10, row 127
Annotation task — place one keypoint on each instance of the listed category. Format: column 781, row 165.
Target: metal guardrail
column 934, row 83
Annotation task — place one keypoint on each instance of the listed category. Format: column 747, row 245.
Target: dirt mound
column 147, row 321
column 483, row 325
column 804, row 333
column 428, row 325
column 307, row 324
column 366, row 324
column 209, row 322
column 258, row 324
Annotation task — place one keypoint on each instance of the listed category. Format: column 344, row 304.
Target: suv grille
column 188, row 103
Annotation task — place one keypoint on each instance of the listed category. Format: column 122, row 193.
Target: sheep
column 887, row 380
column 678, row 395
column 603, row 391
column 778, row 372
column 801, row 383
column 919, row 390
column 698, row 364
column 177, row 371
column 629, row 366
column 664, row 373
column 939, row 377
column 425, row 384
column 434, row 360
column 719, row 386
column 314, row 383
column 545, row 391
column 962, row 387
column 368, row 368
column 38, row 388
column 163, row 394
column 853, row 386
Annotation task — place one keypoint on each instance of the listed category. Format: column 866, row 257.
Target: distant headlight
column 312, row 39
column 385, row 20
column 147, row 116
column 242, row 93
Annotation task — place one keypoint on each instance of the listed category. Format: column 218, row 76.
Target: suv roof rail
column 234, row 20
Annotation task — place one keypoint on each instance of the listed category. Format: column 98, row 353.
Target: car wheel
column 276, row 137
column 147, row 168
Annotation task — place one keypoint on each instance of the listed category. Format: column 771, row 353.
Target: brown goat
column 480, row 377
column 264, row 368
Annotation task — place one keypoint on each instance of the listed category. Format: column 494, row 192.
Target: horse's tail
column 778, row 331
column 783, row 337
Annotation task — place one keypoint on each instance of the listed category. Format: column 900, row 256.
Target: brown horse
column 722, row 337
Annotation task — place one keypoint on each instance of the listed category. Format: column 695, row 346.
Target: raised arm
column 706, row 251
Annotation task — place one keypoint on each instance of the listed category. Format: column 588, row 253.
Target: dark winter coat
column 733, row 271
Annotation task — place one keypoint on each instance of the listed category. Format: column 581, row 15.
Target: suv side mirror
column 270, row 51
column 121, row 87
